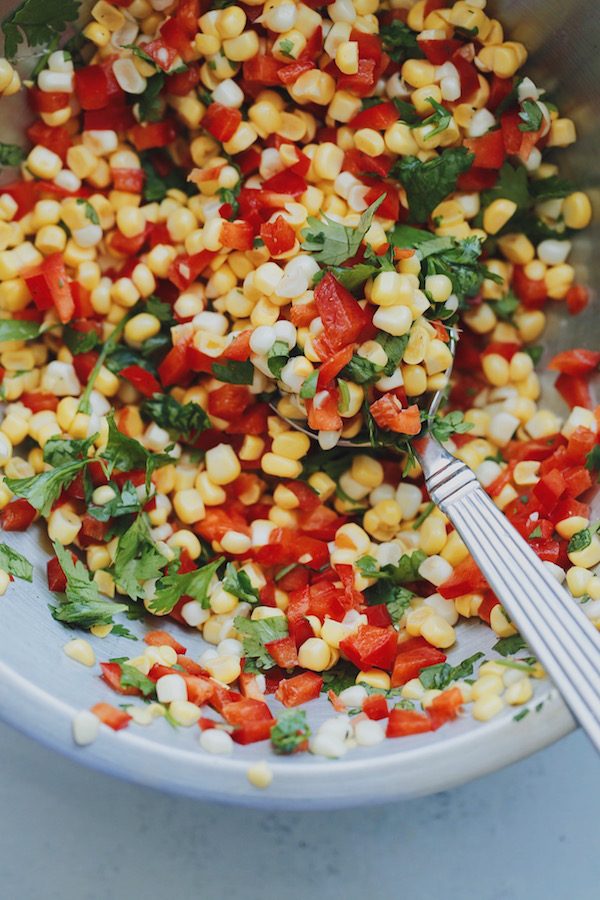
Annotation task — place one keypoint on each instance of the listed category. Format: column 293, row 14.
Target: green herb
column 536, row 351
column 443, row 427
column 42, row 490
column 59, row 451
column 424, row 515
column 512, row 185
column 552, row 188
column 132, row 677
column 80, row 341
column 255, row 634
column 234, row 371
column 531, row 115
column 150, row 107
column 521, row 715
column 277, row 357
column 505, row 307
column 285, row 571
column 11, row 155
column 19, row 330
column 440, row 118
column 183, row 421
column 36, row 23
column 107, row 348
column 399, row 41
column 173, row 586
column 536, row 533
column 121, row 631
column 509, row 645
column 344, row 401
column 441, row 675
column 125, row 503
column 155, row 185
column 361, row 370
column 428, row 183
column 158, row 308
column 286, row 46
column 406, row 569
column 592, row 460
column 89, row 211
column 331, row 243
column 519, row 666
column 394, row 596
column 15, row 564
column 237, row 582
column 408, row 113
column 290, row 732
column 230, row 195
column 137, row 559
column 83, row 605
column 309, row 386
column 341, row 676
column 580, row 541
column 125, row 453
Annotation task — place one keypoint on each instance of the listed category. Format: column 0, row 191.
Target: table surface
column 529, row 832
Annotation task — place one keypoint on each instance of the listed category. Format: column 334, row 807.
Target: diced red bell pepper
column 177, row 36
column 465, row 579
column 262, row 69
column 221, row 121
column 17, row 515
column 83, row 363
column 229, row 401
column 488, row 149
column 299, row 689
column 388, row 413
column 360, row 164
column 408, row 663
column 579, row 444
column 57, row 580
column 378, row 117
column 163, row 55
column 362, row 82
column 252, row 720
column 130, row 180
column 403, row 722
column 91, row 87
column 371, row 646
column 550, row 489
column 343, row 319
column 375, row 707
column 323, row 412
column 113, row 118
column 55, row 138
column 283, row 652
column 47, row 101
column 286, row 182
column 237, row 235
column 185, row 269
column 111, row 716
column 37, row 401
column 574, row 389
column 477, row 179
column 439, row 51
column 111, row 674
column 291, row 73
column 578, row 480
column 200, row 689
column 163, row 639
column 175, row 365
column 142, row 380
column 330, row 369
column 182, row 83
column 49, row 286
column 575, row 362
column 500, row 88
column 445, row 707
column 152, row 134
column 279, row 236
column 469, row 78
column 577, row 298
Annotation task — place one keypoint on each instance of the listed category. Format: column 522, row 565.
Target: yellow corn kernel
column 273, row 464
column 63, row 525
column 577, row 210
column 526, row 472
column 189, row 506
column 418, row 72
column 500, row 624
column 374, row 678
column 562, row 133
column 81, row 651
column 437, row 631
column 497, row 214
column 517, row 248
column 486, row 707
column 578, row 580
column 519, row 692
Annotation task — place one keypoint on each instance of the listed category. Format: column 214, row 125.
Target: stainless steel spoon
column 564, row 639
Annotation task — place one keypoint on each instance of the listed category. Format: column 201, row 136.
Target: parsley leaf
column 19, row 330
column 361, row 370
column 309, row 386
column 182, row 420
column 149, row 104
column 125, row 453
column 443, row 427
column 238, row 583
column 440, row 118
column 592, row 460
column 125, row 503
column 83, row 605
column 11, row 155
column 37, row 22
column 440, row 676
column 290, row 732
column 406, row 569
column 428, row 183
column 122, row 631
column 531, row 115
column 58, row 451
column 42, row 490
column 552, row 188
column 80, row 341
column 277, row 357
column 173, row 586
column 132, row 677
column 580, row 540
column 394, row 596
column 505, row 307
column 341, row 676
column 255, row 634
column 89, row 211
column 155, row 185
column 332, row 243
column 234, row 371
column 137, row 559
column 399, row 41
column 512, row 185
column 15, row 564
column 509, row 645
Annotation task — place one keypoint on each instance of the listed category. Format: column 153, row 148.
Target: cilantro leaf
column 286, row 46
column 137, row 559
column 155, row 185
column 59, row 451
column 309, row 386
column 89, row 211
column 238, row 583
column 182, row 420
column 580, row 540
column 408, row 113
column 125, row 453
column 399, row 41
column 443, row 427
column 352, row 277
column 19, row 330
column 122, row 631
column 80, row 341
column 441, row 675
column 332, row 243
column 509, row 645
column 290, row 732
column 592, row 460
column 42, row 490
column 512, row 185
column 428, row 183
column 277, row 357
column 406, row 569
column 149, row 104
column 37, row 22
column 125, row 503
column 535, row 351
column 361, row 370
column 11, row 154
column 15, row 564
column 341, row 676
column 234, row 371
column 440, row 118
column 83, row 605
column 132, row 677
column 255, row 634
column 173, row 586
column 552, row 188
column 531, row 115
column 506, row 306
column 394, row 596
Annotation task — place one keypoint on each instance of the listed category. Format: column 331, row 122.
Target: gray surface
column 527, row 833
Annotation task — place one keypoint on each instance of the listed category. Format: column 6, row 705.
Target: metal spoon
column 564, row 639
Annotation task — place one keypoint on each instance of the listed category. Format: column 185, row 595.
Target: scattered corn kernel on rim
column 310, row 204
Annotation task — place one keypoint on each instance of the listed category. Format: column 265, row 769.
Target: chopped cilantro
column 535, row 351
column 531, row 116
column 83, row 605
column 509, row 645
column 521, row 715
column 238, row 583
column 290, row 732
column 341, row 676
column 286, row 47
column 155, row 185
column 183, row 421
column 511, row 185
column 122, row 631
column 234, row 371
column 309, row 386
column 332, row 243
column 580, row 540
column 11, row 154
column 277, row 357
column 58, row 451
column 42, row 490
column 440, row 118
column 399, row 41
column 536, row 533
column 592, row 460
column 255, row 634
column 150, row 108
column 19, row 330
column 125, row 503
column 37, row 23
column 137, row 559
column 132, row 677
column 552, row 188
column 428, row 183
column 441, row 675
column 173, row 586
column 15, row 564
column 424, row 515
column 89, row 211
column 505, row 307
column 443, row 427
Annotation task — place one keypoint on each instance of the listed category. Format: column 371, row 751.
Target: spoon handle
column 564, row 639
